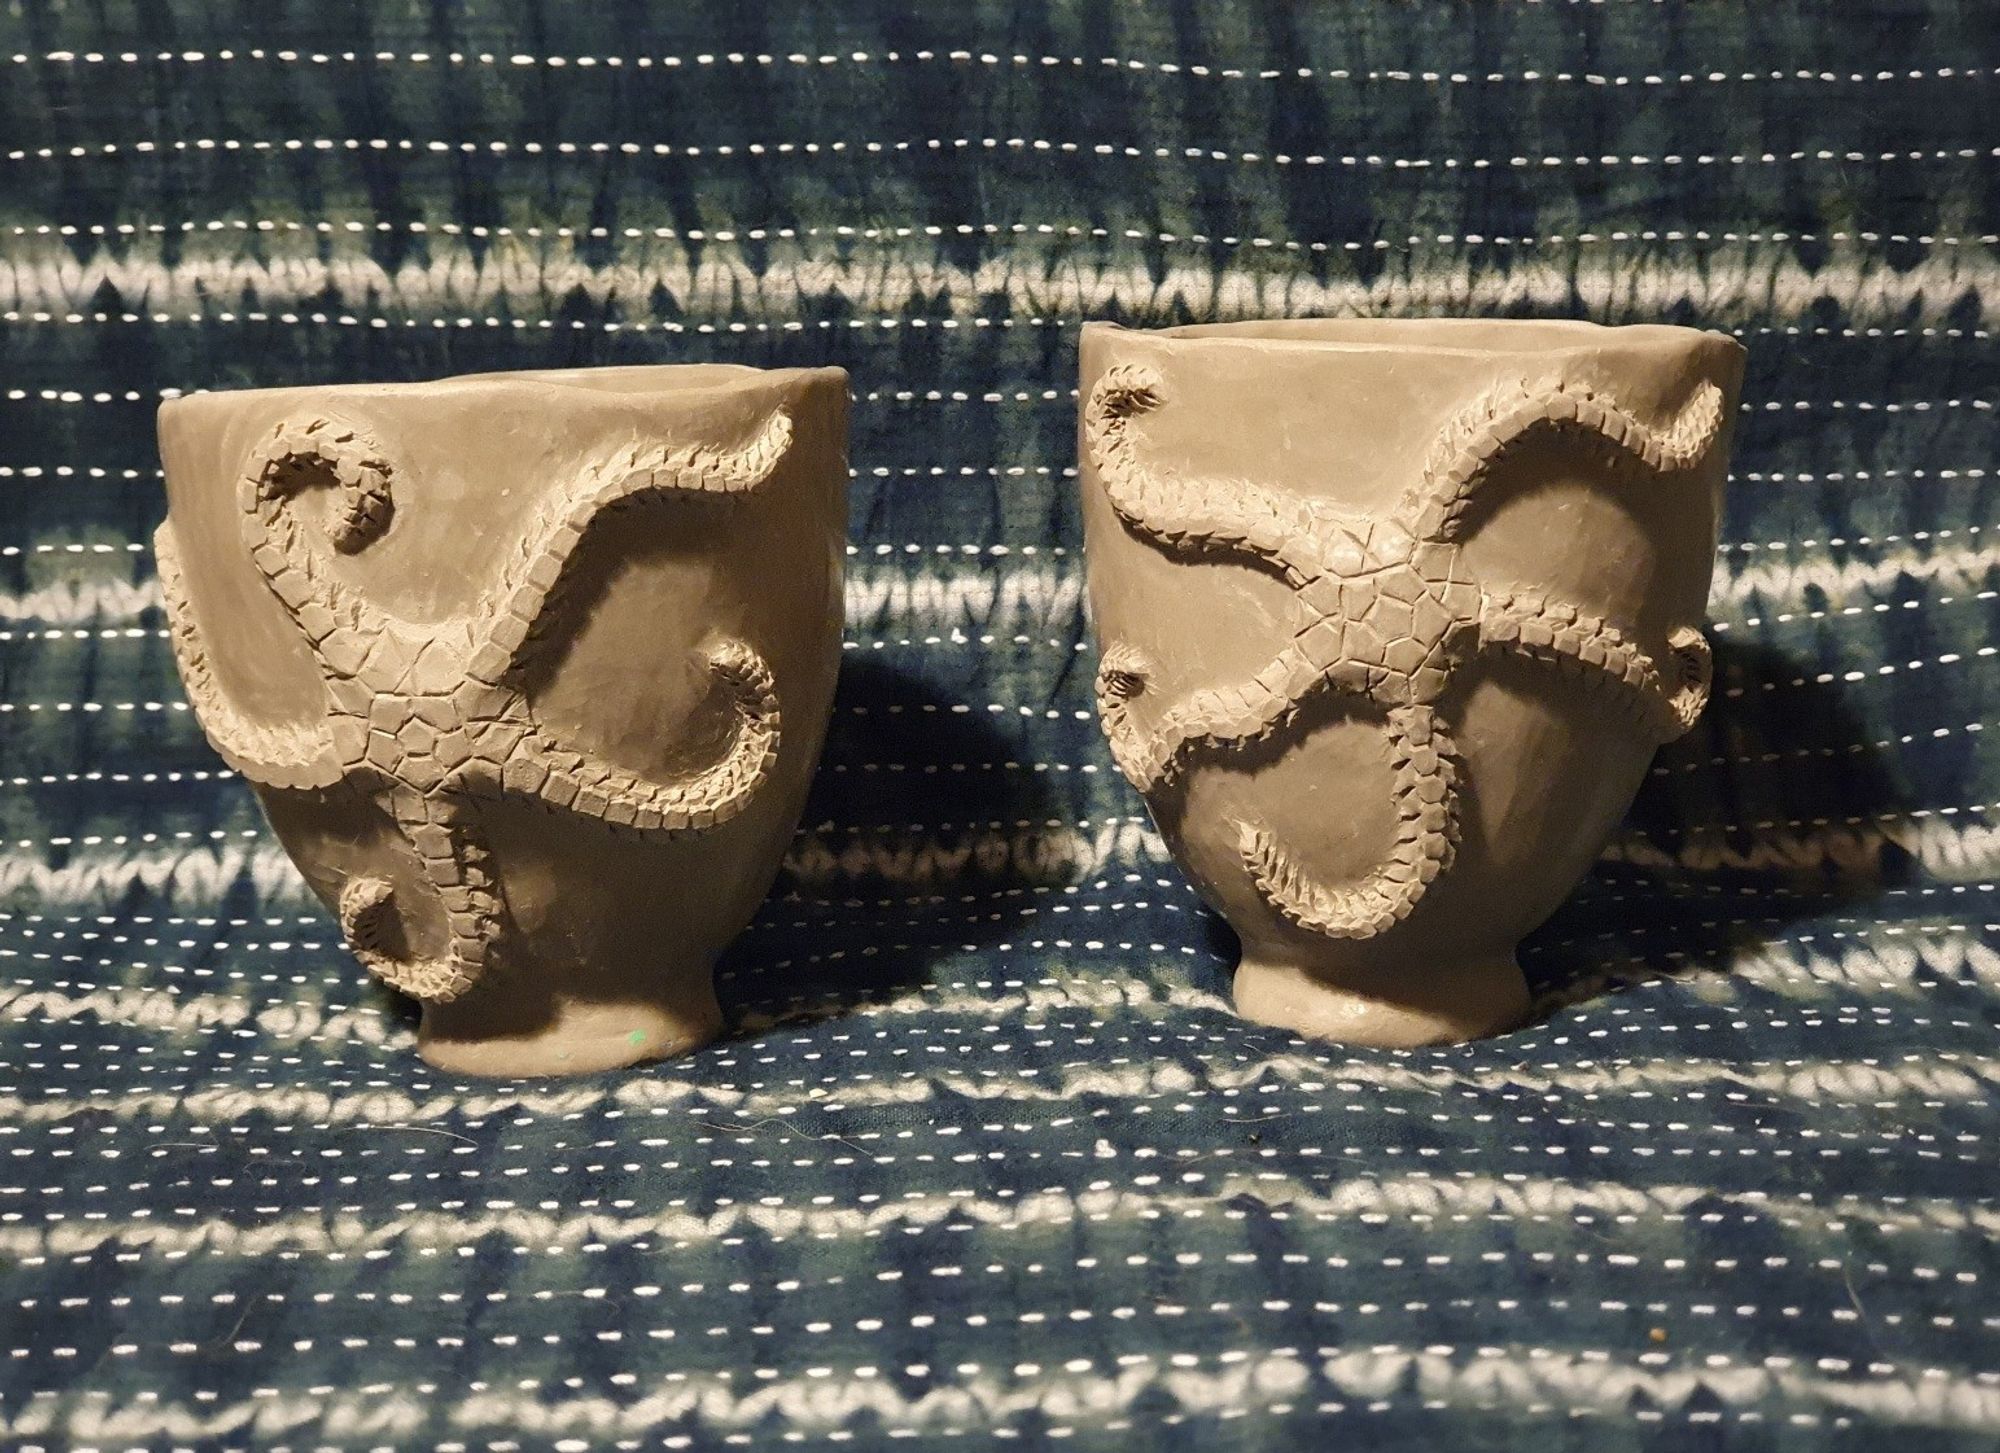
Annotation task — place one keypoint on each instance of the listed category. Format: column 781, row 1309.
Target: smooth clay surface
column 1393, row 615
column 530, row 672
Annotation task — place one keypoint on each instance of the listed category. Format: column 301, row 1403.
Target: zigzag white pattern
column 710, row 1399
column 1538, row 1377
column 291, row 1023
column 1911, row 965
column 1029, row 854
column 1074, row 1397
column 99, row 601
column 879, row 598
column 138, row 1007
column 191, row 875
column 1908, row 963
column 915, row 858
column 1954, row 569
column 322, row 1232
column 1035, row 598
column 198, row 876
column 1950, row 851
column 1016, row 598
column 1965, row 1081
column 1737, row 282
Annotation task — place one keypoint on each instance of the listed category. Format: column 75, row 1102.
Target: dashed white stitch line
column 97, row 547
column 126, row 633
column 1913, row 406
column 1001, row 398
column 100, row 396
column 928, row 708
column 74, row 471
column 994, row 825
column 146, row 838
column 848, row 829
column 1842, row 542
column 792, row 899
column 1011, row 230
column 1887, row 668
column 883, row 324
column 1068, row 472
column 1038, row 1315
column 1350, row 161
column 1851, row 749
column 993, row 60
column 1748, row 406
column 91, row 706
column 325, row 1233
column 915, row 547
column 1767, row 824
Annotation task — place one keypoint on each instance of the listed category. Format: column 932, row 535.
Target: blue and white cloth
column 986, row 1160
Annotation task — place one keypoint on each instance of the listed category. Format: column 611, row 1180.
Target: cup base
column 1469, row 999
column 570, row 1037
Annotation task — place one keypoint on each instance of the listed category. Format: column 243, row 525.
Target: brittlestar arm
column 456, row 863
column 1426, row 798
column 306, row 456
column 1485, row 431
column 1213, row 716
column 1216, row 516
column 544, row 768
column 278, row 756
column 530, row 582
column 1556, row 632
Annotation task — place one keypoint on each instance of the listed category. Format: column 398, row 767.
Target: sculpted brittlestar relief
column 1385, row 612
column 430, row 719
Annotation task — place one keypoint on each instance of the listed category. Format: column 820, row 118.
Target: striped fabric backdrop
column 986, row 1159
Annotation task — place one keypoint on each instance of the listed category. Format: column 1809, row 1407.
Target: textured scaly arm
column 593, row 787
column 1209, row 718
column 1220, row 516
column 317, row 453
column 280, row 756
column 1559, row 634
column 450, row 844
column 1487, row 430
column 1426, row 799
column 531, row 583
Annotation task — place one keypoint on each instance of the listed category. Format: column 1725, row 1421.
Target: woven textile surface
column 985, row 1157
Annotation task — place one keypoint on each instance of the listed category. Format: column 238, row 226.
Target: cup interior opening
column 619, row 378
column 1438, row 335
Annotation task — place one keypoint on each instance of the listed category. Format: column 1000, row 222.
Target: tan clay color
column 530, row 671
column 1393, row 616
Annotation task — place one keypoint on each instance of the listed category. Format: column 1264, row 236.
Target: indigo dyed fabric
column 986, row 1160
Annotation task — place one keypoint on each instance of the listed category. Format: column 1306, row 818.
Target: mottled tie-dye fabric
column 986, row 1160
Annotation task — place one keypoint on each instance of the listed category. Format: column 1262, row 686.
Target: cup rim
column 1458, row 337
column 610, row 382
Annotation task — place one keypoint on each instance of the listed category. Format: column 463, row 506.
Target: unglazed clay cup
column 530, row 671
column 1392, row 617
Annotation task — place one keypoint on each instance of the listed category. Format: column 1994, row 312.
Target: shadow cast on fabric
column 916, row 845
column 1758, row 820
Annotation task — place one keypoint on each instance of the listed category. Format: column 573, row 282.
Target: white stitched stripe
column 1738, row 283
